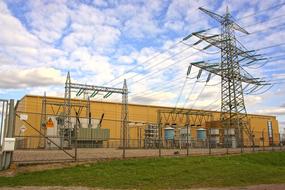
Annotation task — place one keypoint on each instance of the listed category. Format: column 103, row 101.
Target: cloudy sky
column 103, row 42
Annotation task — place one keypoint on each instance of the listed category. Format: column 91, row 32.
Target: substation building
column 99, row 124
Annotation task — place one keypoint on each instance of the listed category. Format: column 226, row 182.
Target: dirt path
column 254, row 187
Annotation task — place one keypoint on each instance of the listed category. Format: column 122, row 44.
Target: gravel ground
column 255, row 187
column 38, row 156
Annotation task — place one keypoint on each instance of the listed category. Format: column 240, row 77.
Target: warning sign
column 49, row 123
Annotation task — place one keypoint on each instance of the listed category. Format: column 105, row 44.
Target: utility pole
column 233, row 111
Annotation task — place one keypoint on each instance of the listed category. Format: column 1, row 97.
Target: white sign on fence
column 23, row 117
column 9, row 144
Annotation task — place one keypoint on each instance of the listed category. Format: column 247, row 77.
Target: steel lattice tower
column 233, row 111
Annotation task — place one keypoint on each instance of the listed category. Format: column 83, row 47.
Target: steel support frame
column 59, row 105
column 192, row 117
column 75, row 87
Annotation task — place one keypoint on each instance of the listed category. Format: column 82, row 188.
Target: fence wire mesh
column 27, row 149
column 40, row 141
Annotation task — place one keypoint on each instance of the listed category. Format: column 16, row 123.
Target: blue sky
column 101, row 41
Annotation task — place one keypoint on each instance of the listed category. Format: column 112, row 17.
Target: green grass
column 154, row 173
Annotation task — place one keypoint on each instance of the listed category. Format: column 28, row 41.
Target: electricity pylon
column 233, row 110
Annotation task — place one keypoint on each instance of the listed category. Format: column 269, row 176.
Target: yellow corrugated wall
column 32, row 106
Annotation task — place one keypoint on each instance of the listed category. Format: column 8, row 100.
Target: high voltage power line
column 167, row 86
column 260, row 48
column 253, row 14
column 151, row 58
column 166, row 59
column 161, row 62
column 155, row 56
column 267, row 48
column 157, row 71
column 201, row 50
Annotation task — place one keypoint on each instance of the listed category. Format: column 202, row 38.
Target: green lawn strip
column 153, row 173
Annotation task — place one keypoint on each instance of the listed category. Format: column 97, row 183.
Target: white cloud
column 155, row 99
column 12, row 77
column 100, row 3
column 99, row 42
column 253, row 100
column 184, row 16
column 12, row 31
column 273, row 111
column 19, row 46
column 142, row 26
column 174, row 25
column 48, row 19
column 48, row 90
column 279, row 76
column 88, row 15
column 91, row 27
column 125, row 59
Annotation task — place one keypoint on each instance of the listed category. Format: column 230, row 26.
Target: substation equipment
column 65, row 115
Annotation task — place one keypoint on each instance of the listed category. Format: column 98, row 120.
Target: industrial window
column 270, row 131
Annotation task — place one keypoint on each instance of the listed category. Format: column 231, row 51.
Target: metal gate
column 34, row 144
column 20, row 148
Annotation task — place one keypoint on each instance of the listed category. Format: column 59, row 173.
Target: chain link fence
column 41, row 138
column 27, row 149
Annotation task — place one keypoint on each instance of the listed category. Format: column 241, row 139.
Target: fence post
column 159, row 133
column 227, row 141
column 187, row 144
column 124, row 143
column 263, row 147
column 2, row 119
column 75, row 136
column 241, row 140
column 9, row 132
column 140, row 138
column 209, row 141
column 159, row 141
column 271, row 143
column 187, row 133
column 253, row 142
column 280, row 141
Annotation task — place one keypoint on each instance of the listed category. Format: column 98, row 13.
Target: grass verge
column 160, row 173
